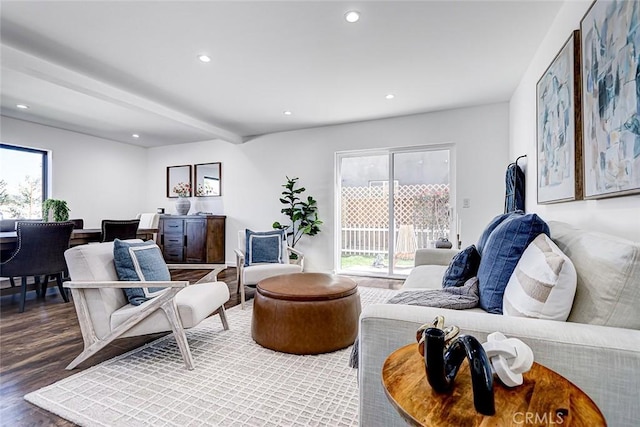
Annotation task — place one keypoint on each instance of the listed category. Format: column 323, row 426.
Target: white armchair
column 104, row 314
column 250, row 275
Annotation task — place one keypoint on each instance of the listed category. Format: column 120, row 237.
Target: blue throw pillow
column 492, row 226
column 264, row 247
column 501, row 253
column 463, row 267
column 139, row 262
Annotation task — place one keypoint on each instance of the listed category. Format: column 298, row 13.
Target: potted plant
column 302, row 214
column 56, row 210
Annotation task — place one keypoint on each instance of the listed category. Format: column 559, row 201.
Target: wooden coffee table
column 545, row 397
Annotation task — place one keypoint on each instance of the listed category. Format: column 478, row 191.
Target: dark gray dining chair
column 78, row 223
column 10, row 224
column 39, row 252
column 7, row 225
column 119, row 229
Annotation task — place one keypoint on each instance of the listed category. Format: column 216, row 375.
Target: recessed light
column 22, row 106
column 352, row 16
column 204, row 58
column 135, row 135
column 287, row 113
column 390, row 96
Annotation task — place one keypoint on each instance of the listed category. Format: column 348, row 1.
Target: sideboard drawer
column 173, row 252
column 173, row 226
column 173, row 240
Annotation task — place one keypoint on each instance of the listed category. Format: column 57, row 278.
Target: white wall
column 621, row 215
column 254, row 172
column 98, row 178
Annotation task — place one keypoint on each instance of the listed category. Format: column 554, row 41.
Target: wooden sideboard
column 192, row 238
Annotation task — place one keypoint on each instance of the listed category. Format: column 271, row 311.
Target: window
column 23, row 182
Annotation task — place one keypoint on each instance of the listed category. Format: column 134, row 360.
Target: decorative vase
column 183, row 205
column 442, row 365
column 443, row 243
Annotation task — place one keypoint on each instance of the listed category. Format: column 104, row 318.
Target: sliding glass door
column 391, row 203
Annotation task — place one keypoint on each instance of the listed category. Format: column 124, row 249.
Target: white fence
column 363, row 240
column 421, row 210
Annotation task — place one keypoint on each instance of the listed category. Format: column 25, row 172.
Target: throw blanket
column 457, row 298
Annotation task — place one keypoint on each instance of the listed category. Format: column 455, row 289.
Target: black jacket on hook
column 515, row 189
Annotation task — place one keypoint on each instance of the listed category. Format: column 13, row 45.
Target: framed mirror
column 176, row 175
column 208, row 178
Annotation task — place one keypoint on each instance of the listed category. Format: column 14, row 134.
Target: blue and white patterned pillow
column 264, row 247
column 140, row 262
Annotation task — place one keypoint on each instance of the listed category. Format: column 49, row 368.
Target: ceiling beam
column 34, row 66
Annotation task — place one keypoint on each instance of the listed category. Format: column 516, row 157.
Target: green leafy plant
column 302, row 213
column 58, row 209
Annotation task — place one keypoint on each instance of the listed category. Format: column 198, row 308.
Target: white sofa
column 598, row 348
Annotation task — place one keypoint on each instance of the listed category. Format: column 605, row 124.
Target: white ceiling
column 114, row 68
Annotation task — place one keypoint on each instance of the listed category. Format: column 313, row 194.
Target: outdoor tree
column 28, row 201
column 5, row 198
column 7, row 206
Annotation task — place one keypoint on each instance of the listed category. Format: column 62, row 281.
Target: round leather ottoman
column 306, row 313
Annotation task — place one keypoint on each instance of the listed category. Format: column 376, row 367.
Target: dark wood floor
column 35, row 346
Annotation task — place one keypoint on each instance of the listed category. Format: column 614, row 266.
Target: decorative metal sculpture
column 443, row 354
column 444, row 350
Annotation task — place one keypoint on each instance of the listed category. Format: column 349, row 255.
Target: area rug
column 236, row 382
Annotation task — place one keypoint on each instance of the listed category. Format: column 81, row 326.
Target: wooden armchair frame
column 164, row 302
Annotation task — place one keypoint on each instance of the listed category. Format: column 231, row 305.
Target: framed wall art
column 208, row 179
column 178, row 175
column 559, row 131
column 610, row 42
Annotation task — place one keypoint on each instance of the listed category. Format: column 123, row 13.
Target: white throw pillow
column 543, row 284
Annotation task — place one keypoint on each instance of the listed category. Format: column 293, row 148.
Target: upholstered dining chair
column 119, row 229
column 105, row 313
column 11, row 224
column 148, row 220
column 249, row 273
column 8, row 224
column 78, row 223
column 39, row 252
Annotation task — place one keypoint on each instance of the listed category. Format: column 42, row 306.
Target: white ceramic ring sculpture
column 509, row 357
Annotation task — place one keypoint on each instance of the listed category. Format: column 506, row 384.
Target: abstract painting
column 558, row 127
column 610, row 45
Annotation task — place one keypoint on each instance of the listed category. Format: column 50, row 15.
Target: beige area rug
column 235, row 382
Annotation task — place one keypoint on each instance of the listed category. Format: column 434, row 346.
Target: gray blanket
column 457, row 298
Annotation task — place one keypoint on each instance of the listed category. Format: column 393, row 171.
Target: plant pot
column 183, row 205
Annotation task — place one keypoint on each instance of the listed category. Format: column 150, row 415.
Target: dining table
column 9, row 239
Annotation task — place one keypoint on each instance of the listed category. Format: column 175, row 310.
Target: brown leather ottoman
column 306, row 313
